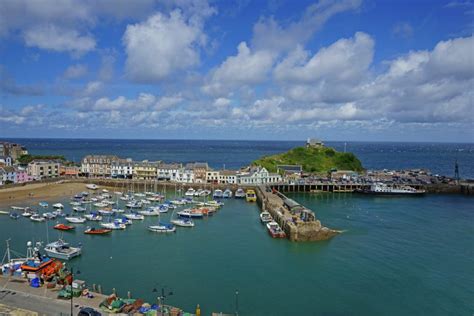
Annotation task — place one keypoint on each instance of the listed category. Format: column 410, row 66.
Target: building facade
column 212, row 176
column 199, row 170
column 258, row 176
column 122, row 168
column 145, row 170
column 169, row 171
column 228, row 176
column 98, row 165
column 40, row 169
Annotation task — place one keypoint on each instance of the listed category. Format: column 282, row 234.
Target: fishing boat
column 62, row 250
column 58, row 205
column 182, row 222
column 75, row 220
column 63, row 227
column 97, row 231
column 162, row 228
column 275, row 230
column 92, row 186
column 93, row 217
column 190, row 192
column 227, row 194
column 49, row 215
column 79, row 209
column 217, row 194
column 188, row 213
column 134, row 216
column 14, row 215
column 240, row 193
column 37, row 218
column 113, row 226
column 250, row 196
column 265, row 217
column 43, row 204
column 34, row 261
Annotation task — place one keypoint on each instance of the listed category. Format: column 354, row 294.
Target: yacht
column 227, row 194
column 190, row 192
column 58, row 205
column 61, row 250
column 162, row 228
column 75, row 220
column 93, row 217
column 217, row 194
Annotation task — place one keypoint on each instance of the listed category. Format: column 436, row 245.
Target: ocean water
column 397, row 256
column 438, row 157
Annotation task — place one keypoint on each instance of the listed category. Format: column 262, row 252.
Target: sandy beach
column 27, row 194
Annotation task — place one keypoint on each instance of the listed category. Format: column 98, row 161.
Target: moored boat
column 49, row 215
column 37, row 218
column 97, row 231
column 92, row 186
column 75, row 220
column 265, row 217
column 93, row 217
column 190, row 192
column 79, row 209
column 63, row 227
column 240, row 193
column 43, row 204
column 250, row 196
column 190, row 213
column 62, row 250
column 58, row 205
column 14, row 215
column 275, row 230
column 133, row 216
column 227, row 194
column 182, row 222
column 162, row 228
column 217, row 194
column 380, row 188
column 113, row 226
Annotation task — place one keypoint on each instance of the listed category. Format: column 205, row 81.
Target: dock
column 298, row 222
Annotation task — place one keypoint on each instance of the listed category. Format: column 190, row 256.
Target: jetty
column 298, row 222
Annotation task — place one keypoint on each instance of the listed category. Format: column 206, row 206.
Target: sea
column 396, row 256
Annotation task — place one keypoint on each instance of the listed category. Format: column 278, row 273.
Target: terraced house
column 40, row 169
column 146, row 170
column 98, row 165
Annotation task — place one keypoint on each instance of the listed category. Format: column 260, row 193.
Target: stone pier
column 299, row 223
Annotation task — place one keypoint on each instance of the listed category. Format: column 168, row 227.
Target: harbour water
column 233, row 154
column 397, row 256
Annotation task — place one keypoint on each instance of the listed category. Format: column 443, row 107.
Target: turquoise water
column 411, row 256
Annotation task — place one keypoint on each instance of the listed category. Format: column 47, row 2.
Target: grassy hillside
column 312, row 159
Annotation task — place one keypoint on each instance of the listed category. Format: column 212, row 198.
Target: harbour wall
column 296, row 228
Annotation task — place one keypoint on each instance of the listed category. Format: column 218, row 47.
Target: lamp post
column 72, row 280
column 236, row 302
column 161, row 299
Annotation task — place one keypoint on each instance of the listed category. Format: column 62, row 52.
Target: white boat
column 75, row 220
column 93, row 217
column 240, row 193
column 18, row 208
column 118, row 193
column 162, row 228
column 4, row 213
column 123, row 220
column 380, row 188
column 205, row 193
column 79, row 209
column 214, row 203
column 43, row 204
column 190, row 192
column 198, row 192
column 105, row 191
column 114, row 226
column 139, row 195
column 134, row 216
column 92, row 186
column 151, row 211
column 183, row 222
column 58, row 205
column 49, row 215
column 265, row 217
column 101, row 204
column 74, row 203
column 190, row 213
column 227, row 194
column 145, row 202
column 134, row 204
column 217, row 194
column 61, row 250
column 27, row 213
column 118, row 210
column 37, row 218
column 105, row 212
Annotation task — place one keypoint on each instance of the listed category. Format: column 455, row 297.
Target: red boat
column 275, row 230
column 63, row 227
column 36, row 265
column 97, row 231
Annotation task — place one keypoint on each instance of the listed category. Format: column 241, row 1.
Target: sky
column 275, row 70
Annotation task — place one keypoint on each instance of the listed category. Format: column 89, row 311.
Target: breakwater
column 298, row 222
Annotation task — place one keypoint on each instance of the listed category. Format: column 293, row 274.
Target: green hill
column 313, row 159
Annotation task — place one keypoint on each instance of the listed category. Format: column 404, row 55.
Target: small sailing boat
column 58, row 205
column 133, row 216
column 93, row 217
column 113, row 226
column 97, row 231
column 75, row 220
column 162, row 228
column 37, row 218
column 182, row 222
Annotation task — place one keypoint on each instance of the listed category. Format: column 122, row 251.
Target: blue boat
column 14, row 215
column 43, row 204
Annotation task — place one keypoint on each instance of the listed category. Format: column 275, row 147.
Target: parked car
column 88, row 311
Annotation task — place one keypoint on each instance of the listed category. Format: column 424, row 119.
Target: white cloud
column 403, row 30
column 161, row 45
column 245, row 68
column 92, row 88
column 75, row 71
column 167, row 102
column 51, row 37
column 269, row 34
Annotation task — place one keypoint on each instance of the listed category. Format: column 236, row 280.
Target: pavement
column 18, row 298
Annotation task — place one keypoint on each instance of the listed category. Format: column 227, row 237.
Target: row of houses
column 110, row 166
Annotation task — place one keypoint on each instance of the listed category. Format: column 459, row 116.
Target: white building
column 169, row 171
column 7, row 175
column 122, row 168
column 228, row 176
column 39, row 169
column 258, row 176
column 6, row 160
column 184, row 175
column 212, row 176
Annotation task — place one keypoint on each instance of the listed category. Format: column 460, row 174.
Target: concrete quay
column 299, row 223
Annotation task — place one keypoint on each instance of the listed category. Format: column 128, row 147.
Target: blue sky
column 277, row 69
